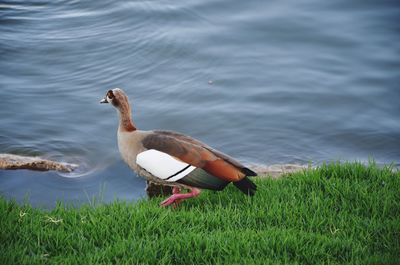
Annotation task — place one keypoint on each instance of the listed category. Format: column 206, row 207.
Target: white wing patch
column 163, row 166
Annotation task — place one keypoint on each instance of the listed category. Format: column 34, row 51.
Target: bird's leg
column 176, row 190
column 178, row 197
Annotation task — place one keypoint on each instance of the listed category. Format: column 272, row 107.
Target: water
column 264, row 81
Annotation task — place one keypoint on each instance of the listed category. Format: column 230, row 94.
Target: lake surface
column 264, row 81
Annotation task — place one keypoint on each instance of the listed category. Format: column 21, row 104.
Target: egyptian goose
column 174, row 159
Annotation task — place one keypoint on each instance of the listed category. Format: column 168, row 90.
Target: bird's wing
column 170, row 169
column 196, row 154
column 163, row 166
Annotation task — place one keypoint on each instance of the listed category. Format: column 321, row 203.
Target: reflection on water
column 291, row 83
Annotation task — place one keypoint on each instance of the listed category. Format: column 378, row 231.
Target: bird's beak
column 104, row 100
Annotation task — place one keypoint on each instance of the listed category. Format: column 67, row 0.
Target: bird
column 174, row 159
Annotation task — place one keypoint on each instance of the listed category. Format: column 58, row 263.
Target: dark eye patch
column 110, row 94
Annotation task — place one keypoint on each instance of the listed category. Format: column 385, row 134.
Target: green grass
column 336, row 214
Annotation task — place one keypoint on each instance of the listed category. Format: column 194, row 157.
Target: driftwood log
column 277, row 170
column 9, row 161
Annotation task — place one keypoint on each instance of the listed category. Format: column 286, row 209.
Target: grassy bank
column 334, row 214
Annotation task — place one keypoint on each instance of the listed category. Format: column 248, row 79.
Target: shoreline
column 15, row 162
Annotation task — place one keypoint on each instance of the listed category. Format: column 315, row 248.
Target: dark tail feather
column 246, row 186
column 248, row 172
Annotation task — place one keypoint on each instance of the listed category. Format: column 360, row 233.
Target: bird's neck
column 125, row 119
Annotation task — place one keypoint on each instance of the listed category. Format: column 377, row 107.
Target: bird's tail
column 246, row 186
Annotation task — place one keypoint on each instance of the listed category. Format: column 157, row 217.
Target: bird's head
column 116, row 97
column 119, row 100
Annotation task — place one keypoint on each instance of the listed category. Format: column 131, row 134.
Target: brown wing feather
column 230, row 160
column 196, row 153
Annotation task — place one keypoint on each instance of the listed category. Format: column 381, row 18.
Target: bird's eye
column 110, row 94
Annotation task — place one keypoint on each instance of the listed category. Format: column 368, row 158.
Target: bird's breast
column 130, row 145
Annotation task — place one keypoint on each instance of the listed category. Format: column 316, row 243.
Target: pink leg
column 177, row 197
column 176, row 190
